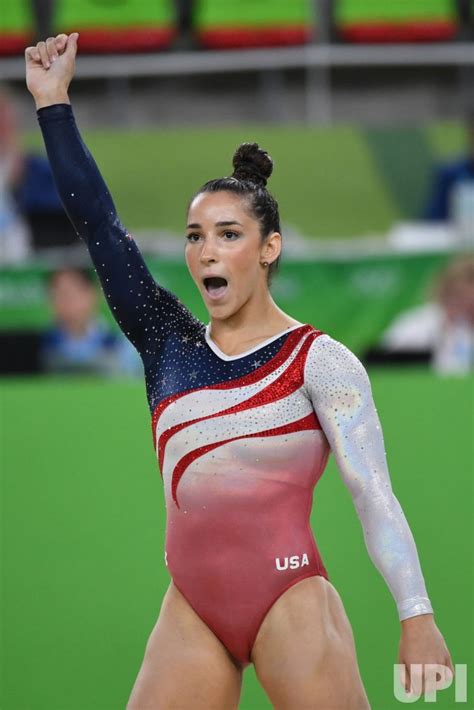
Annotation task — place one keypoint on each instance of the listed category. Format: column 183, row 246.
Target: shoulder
column 330, row 365
column 328, row 353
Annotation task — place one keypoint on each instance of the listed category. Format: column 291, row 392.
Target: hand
column 421, row 642
column 50, row 67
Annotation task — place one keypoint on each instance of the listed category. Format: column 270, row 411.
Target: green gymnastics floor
column 83, row 533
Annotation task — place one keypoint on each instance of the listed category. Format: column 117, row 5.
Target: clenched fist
column 50, row 67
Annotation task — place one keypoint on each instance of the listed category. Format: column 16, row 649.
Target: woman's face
column 73, row 300
column 223, row 240
column 458, row 301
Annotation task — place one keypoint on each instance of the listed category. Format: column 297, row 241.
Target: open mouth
column 215, row 286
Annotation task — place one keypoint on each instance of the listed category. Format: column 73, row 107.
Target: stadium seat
column 373, row 21
column 118, row 25
column 16, row 27
column 233, row 24
column 104, row 25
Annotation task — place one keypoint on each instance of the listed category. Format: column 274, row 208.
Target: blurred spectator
column 31, row 213
column 452, row 191
column 15, row 238
column 445, row 325
column 80, row 341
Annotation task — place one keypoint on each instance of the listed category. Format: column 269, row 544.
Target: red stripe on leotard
column 266, row 369
column 289, row 381
column 308, row 422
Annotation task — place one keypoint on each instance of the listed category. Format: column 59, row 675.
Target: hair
column 252, row 168
column 83, row 274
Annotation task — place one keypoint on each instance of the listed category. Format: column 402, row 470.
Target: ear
column 271, row 247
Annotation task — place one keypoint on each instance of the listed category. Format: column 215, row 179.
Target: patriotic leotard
column 241, row 440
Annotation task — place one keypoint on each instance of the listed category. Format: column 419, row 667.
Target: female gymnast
column 245, row 411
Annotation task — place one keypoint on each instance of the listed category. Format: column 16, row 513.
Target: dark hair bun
column 252, row 163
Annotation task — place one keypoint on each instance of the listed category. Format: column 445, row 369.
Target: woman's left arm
column 340, row 391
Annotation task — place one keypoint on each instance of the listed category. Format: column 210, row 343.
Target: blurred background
column 367, row 109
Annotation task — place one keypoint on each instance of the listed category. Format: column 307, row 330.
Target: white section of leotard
column 231, row 426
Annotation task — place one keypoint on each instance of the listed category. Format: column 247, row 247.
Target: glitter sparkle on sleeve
column 340, row 390
column 145, row 311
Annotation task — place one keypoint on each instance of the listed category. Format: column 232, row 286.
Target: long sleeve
column 339, row 388
column 145, row 311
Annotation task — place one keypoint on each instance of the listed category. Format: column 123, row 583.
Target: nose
column 208, row 251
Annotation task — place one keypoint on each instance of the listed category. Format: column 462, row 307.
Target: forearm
column 342, row 396
column 417, row 624
column 59, row 96
column 388, row 538
column 82, row 190
column 124, row 276
column 392, row 549
column 135, row 300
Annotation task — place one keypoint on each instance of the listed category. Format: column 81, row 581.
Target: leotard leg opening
column 237, row 636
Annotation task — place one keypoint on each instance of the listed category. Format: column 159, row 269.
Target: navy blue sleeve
column 146, row 312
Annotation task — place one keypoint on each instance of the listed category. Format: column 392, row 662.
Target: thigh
column 304, row 654
column 185, row 665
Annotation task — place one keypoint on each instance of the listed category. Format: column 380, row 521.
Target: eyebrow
column 225, row 223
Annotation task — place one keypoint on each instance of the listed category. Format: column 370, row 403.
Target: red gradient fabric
column 239, row 480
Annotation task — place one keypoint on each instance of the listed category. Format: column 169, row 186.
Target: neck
column 258, row 319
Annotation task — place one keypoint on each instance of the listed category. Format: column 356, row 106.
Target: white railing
column 216, row 62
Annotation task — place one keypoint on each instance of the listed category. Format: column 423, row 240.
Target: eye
column 234, row 234
column 189, row 237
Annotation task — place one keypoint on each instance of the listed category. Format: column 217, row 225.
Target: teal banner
column 352, row 300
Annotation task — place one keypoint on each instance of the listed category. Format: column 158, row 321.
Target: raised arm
column 144, row 310
column 340, row 390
